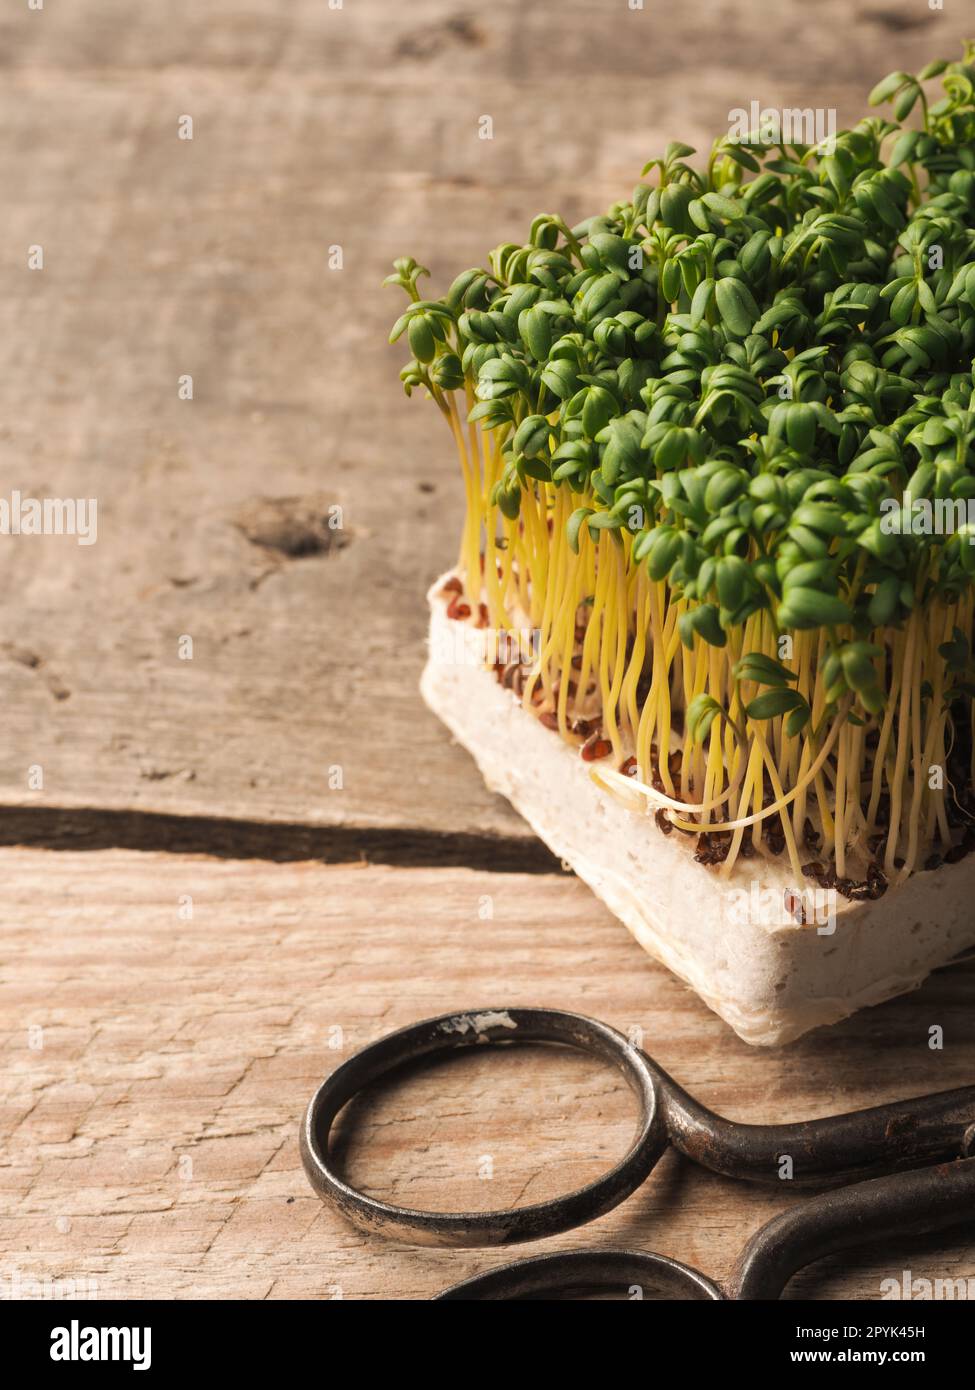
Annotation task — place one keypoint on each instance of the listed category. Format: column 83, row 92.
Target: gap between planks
column 93, row 828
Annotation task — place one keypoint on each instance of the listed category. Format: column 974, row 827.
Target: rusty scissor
column 902, row 1168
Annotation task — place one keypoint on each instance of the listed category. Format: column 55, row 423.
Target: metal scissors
column 924, row 1148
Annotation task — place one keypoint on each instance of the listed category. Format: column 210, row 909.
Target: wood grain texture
column 313, row 127
column 150, row 1128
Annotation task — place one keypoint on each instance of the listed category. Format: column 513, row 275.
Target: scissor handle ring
column 638, row 1273
column 476, row 1028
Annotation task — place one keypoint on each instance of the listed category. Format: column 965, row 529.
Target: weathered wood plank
column 166, row 257
column 155, row 1069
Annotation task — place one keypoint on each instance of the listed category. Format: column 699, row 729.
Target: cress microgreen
column 706, row 409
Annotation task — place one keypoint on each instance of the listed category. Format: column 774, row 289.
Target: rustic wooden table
column 197, row 921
